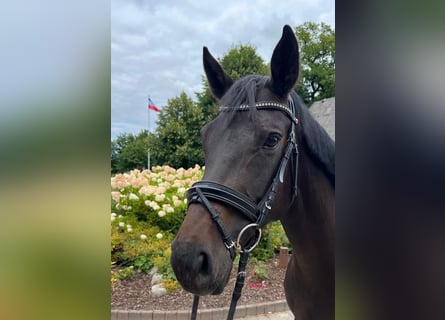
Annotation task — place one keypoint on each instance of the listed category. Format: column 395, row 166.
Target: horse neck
column 309, row 224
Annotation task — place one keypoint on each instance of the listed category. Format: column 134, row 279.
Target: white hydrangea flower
column 132, row 196
column 160, row 197
column 161, row 213
column 116, row 195
column 152, row 204
column 159, row 236
column 168, row 208
column 143, row 237
column 122, row 224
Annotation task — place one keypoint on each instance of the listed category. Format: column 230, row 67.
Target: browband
column 263, row 105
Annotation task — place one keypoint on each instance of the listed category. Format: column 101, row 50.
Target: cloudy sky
column 156, row 46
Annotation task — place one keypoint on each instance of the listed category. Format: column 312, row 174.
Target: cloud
column 156, row 46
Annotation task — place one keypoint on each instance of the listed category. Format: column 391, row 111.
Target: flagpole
column 148, row 146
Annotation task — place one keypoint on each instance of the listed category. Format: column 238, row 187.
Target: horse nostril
column 204, row 264
column 191, row 261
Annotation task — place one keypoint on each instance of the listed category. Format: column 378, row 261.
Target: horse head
column 243, row 152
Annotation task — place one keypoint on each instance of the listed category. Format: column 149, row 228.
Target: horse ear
column 284, row 65
column 219, row 80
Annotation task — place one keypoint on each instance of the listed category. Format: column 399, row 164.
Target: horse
column 266, row 159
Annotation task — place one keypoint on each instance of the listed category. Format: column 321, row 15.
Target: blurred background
column 54, row 163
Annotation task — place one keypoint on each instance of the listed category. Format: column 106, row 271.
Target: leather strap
column 228, row 242
column 226, row 195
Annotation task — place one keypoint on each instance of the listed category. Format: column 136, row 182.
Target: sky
column 156, row 46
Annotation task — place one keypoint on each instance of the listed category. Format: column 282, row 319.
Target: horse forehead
column 263, row 120
column 238, row 131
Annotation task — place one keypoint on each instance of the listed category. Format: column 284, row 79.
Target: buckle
column 230, row 245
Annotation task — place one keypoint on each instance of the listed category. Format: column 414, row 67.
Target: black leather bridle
column 203, row 191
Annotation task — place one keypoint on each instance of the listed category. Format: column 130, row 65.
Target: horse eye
column 272, row 140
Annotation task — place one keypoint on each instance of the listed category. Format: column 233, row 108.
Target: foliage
column 317, row 58
column 261, row 271
column 148, row 208
column 207, row 103
column 122, row 274
column 273, row 237
column 242, row 60
column 177, row 140
column 170, row 284
column 156, row 197
column 129, row 152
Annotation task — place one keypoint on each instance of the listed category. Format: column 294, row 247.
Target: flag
column 152, row 106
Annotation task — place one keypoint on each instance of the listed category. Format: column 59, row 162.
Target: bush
column 156, row 197
column 273, row 237
column 148, row 209
column 141, row 246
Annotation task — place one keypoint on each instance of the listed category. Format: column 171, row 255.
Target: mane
column 320, row 145
column 243, row 92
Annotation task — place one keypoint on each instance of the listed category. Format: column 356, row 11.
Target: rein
column 202, row 191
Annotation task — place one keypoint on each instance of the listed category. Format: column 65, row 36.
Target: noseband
column 202, row 191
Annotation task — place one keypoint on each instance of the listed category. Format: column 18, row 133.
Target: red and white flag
column 152, row 106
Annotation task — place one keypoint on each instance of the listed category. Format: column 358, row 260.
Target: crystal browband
column 263, row 105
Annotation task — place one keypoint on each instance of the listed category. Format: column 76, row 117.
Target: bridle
column 202, row 191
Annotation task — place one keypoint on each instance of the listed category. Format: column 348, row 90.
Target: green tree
column 239, row 61
column 177, row 140
column 116, row 146
column 317, row 58
column 129, row 152
column 242, row 60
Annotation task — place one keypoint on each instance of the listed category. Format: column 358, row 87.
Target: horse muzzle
column 198, row 269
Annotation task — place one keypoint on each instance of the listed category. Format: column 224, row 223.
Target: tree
column 177, row 140
column 239, row 61
column 116, row 147
column 129, row 152
column 243, row 60
column 317, row 58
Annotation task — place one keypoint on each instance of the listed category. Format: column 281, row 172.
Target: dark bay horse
column 266, row 159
